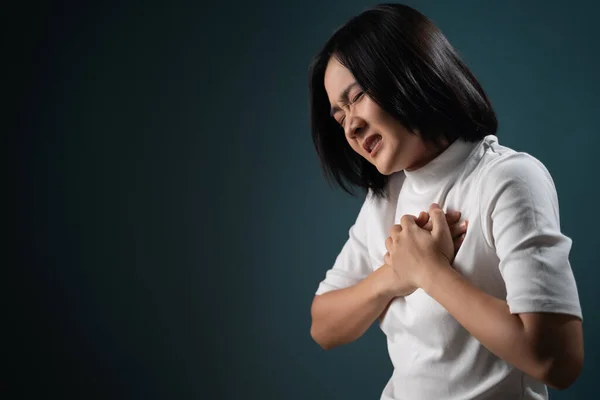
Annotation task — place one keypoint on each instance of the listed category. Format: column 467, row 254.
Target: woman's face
column 370, row 131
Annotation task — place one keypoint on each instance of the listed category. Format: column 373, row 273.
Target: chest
column 462, row 197
column 475, row 260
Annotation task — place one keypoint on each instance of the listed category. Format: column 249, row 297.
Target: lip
column 367, row 142
column 376, row 148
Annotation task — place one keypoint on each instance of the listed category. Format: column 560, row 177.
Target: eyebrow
column 343, row 98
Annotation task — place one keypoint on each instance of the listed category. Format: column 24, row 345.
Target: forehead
column 337, row 78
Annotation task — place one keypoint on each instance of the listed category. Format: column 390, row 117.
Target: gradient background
column 173, row 223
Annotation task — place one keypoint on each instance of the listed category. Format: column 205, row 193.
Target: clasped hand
column 419, row 245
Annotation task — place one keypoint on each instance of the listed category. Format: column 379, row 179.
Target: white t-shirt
column 514, row 250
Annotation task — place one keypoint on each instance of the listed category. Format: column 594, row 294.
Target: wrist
column 383, row 279
column 434, row 272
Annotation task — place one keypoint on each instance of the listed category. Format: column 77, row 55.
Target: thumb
column 439, row 222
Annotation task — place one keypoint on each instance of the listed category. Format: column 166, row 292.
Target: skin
column 360, row 117
column 546, row 346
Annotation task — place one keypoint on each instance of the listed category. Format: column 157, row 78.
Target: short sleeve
column 521, row 222
column 353, row 262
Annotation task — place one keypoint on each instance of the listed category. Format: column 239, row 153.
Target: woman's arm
column 548, row 347
column 342, row 316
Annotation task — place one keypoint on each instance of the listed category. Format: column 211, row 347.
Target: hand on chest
column 410, row 203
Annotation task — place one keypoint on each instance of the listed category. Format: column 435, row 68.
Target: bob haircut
column 407, row 66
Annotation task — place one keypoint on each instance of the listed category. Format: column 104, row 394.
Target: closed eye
column 357, row 97
column 354, row 100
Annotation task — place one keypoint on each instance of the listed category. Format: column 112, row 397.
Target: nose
column 355, row 127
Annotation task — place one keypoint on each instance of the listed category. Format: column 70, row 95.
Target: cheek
column 373, row 113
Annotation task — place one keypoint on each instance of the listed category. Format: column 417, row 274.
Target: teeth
column 374, row 143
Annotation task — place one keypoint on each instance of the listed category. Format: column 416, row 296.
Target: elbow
column 558, row 351
column 562, row 374
column 322, row 335
column 317, row 331
column 320, row 339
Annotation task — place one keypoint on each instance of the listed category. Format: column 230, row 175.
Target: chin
column 388, row 172
column 384, row 162
column 385, row 169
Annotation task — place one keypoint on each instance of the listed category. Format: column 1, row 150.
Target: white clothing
column 513, row 250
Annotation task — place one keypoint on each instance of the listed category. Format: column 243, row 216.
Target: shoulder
column 518, row 183
column 503, row 166
column 515, row 193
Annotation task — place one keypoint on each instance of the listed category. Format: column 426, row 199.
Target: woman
column 395, row 111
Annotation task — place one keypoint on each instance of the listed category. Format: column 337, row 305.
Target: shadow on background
column 173, row 222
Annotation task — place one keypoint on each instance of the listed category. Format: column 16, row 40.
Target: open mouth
column 371, row 144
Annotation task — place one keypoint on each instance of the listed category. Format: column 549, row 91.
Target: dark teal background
column 173, row 222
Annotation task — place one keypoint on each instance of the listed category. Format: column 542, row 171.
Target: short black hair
column 407, row 66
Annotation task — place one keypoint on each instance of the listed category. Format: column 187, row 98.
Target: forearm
column 488, row 319
column 342, row 316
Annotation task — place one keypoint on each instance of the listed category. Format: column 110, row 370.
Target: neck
column 433, row 151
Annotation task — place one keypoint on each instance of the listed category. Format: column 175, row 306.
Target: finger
column 407, row 220
column 458, row 229
column 458, row 242
column 452, row 217
column 434, row 206
column 422, row 219
column 395, row 229
column 428, row 226
column 387, row 259
column 388, row 243
column 438, row 219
